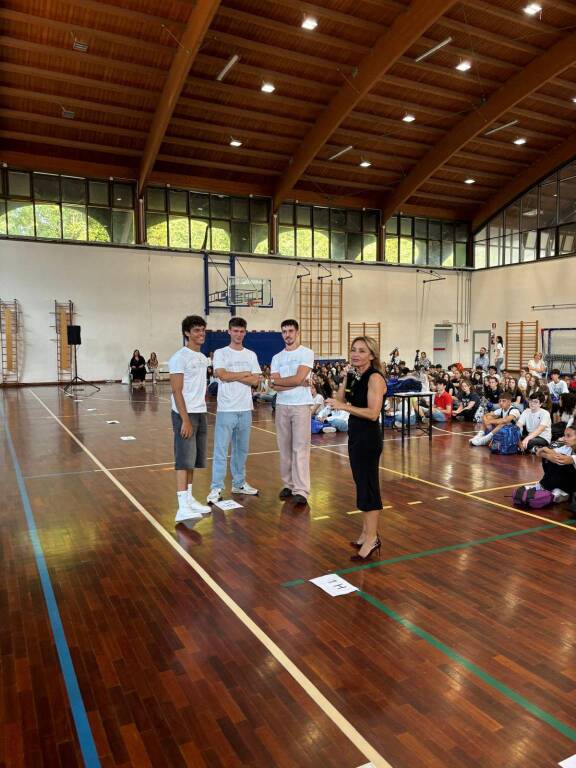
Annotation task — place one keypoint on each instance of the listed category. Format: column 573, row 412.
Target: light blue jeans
column 231, row 427
column 436, row 415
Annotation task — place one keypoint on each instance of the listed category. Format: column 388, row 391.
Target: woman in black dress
column 361, row 393
column 137, row 369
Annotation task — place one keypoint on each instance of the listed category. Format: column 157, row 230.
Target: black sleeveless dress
column 364, row 444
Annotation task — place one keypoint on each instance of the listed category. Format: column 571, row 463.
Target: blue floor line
column 83, row 730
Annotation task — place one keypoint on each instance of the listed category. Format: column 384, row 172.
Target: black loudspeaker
column 73, row 332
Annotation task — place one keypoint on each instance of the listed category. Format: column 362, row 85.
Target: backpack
column 506, row 440
column 532, row 498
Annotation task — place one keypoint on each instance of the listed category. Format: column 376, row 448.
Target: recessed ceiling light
column 235, row 143
column 268, row 88
column 408, row 118
column 532, row 9
column 365, row 164
column 574, row 99
column 470, row 181
column 309, row 23
column 519, row 142
column 464, row 66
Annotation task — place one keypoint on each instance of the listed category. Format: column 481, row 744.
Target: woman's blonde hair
column 372, row 345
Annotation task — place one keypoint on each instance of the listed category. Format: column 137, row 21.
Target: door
column 442, row 353
column 479, row 339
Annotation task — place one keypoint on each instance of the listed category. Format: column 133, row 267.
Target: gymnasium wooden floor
column 207, row 646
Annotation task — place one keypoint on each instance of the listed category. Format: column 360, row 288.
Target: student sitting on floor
column 566, row 414
column 468, row 402
column 556, row 387
column 559, row 465
column 441, row 405
column 499, row 418
column 493, row 371
column 536, row 424
column 492, row 393
column 333, row 420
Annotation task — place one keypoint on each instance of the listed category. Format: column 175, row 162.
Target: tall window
column 178, row 218
column 539, row 225
column 340, row 234
column 425, row 242
column 47, row 206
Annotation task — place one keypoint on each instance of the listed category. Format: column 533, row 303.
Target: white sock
column 189, row 491
column 182, row 499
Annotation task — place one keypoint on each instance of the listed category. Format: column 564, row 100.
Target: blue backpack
column 506, row 440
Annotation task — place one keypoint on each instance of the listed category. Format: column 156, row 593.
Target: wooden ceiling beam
column 46, row 22
column 559, row 57
column 109, row 130
column 65, row 165
column 69, row 143
column 105, row 62
column 192, row 37
column 185, row 160
column 55, row 99
column 561, row 154
column 517, row 19
column 453, row 25
column 390, row 46
column 343, row 183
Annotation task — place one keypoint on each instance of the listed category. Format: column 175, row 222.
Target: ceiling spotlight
column 519, row 142
column 500, row 127
column 433, row 50
column 365, row 164
column 408, row 118
column 470, row 181
column 464, row 66
column 268, row 88
column 341, row 152
column 227, row 67
column 532, row 9
column 574, row 99
column 309, row 23
column 235, row 143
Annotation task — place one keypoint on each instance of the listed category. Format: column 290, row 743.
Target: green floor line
column 428, row 552
column 517, row 698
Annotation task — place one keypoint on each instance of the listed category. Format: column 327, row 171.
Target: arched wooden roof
column 147, row 103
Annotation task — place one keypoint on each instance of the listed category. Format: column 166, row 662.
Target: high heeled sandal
column 359, row 558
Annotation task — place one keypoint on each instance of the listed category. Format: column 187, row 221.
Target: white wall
column 127, row 298
column 509, row 293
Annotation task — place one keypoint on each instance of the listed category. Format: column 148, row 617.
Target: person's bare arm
column 177, row 384
column 376, row 392
column 289, row 382
column 244, row 377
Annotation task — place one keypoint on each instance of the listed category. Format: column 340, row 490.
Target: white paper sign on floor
column 334, row 585
column 226, row 504
column 570, row 762
column 113, row 422
column 127, row 437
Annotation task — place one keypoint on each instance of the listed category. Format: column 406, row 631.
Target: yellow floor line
column 321, row 517
column 439, row 498
column 307, row 685
column 355, row 512
column 469, row 495
column 411, row 503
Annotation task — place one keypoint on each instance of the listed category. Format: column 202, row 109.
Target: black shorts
column 190, row 453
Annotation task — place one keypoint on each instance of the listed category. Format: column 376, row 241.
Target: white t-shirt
column 234, row 395
column 499, row 351
column 193, row 365
column 534, row 420
column 557, row 388
column 566, row 451
column 318, row 399
column 512, row 411
column 286, row 363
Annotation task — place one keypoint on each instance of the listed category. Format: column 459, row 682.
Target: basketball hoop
column 253, row 302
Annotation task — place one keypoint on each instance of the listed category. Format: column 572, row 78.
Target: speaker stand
column 78, row 382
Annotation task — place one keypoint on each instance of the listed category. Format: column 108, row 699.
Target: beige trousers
column 293, row 434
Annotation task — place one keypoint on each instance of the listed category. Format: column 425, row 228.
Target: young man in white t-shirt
column 290, row 376
column 238, row 371
column 537, row 424
column 556, row 387
column 188, row 369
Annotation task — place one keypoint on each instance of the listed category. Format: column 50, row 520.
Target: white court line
column 307, row 685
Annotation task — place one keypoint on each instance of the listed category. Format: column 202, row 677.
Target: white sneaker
column 195, row 506
column 214, row 495
column 560, row 496
column 187, row 513
column 330, row 430
column 246, row 489
column 481, row 439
